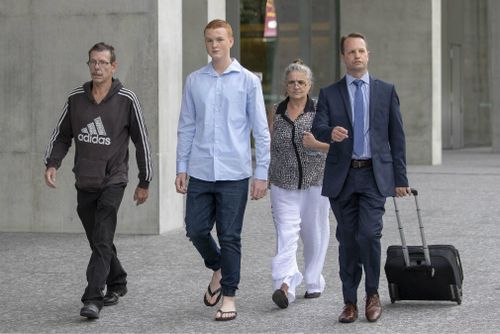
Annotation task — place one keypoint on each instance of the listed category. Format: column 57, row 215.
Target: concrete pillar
column 216, row 9
column 43, row 50
column 170, row 76
column 436, row 93
column 404, row 44
column 494, row 58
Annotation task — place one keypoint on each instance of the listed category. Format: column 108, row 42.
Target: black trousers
column 98, row 213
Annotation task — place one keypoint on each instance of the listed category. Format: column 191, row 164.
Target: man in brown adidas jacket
column 100, row 117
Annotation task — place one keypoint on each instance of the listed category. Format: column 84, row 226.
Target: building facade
column 443, row 56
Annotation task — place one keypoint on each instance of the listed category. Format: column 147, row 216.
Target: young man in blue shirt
column 222, row 106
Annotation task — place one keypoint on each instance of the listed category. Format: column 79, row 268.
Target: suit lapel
column 345, row 97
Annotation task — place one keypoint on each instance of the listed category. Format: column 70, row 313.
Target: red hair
column 218, row 23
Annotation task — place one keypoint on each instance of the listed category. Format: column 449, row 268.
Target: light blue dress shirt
column 218, row 114
column 365, row 89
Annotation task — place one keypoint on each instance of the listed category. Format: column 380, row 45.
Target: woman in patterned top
column 295, row 177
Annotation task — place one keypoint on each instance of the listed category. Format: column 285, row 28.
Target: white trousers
column 301, row 213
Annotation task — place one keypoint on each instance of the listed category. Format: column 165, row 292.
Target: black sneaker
column 90, row 311
column 112, row 297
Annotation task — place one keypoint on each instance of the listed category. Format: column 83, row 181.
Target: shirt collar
column 235, row 66
column 365, row 78
column 309, row 107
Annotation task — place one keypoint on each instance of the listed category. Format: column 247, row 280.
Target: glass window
column 305, row 29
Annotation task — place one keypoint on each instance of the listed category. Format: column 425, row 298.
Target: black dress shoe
column 90, row 311
column 312, row 295
column 112, row 297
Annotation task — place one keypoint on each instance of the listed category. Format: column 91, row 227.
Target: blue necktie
column 359, row 119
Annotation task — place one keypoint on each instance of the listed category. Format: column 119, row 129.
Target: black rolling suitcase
column 421, row 272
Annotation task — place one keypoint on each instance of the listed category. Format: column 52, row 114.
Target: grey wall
column 466, row 28
column 400, row 45
column 477, row 111
column 192, row 31
column 44, row 47
column 233, row 17
column 494, row 56
column 452, row 36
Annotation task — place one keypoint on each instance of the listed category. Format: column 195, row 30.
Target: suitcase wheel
column 393, row 292
column 457, row 293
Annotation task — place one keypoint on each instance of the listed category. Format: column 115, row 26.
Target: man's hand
column 258, row 189
column 50, row 177
column 339, row 134
column 403, row 191
column 181, row 183
column 140, row 195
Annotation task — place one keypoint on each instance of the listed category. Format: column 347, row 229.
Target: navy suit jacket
column 387, row 139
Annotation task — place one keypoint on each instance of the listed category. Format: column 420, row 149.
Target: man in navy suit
column 359, row 115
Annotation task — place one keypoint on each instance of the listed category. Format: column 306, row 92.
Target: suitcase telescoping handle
column 404, row 247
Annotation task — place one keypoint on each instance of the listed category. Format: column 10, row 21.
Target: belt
column 361, row 163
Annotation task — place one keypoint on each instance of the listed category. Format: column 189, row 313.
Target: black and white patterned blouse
column 292, row 166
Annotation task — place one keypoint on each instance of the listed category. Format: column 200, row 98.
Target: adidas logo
column 94, row 133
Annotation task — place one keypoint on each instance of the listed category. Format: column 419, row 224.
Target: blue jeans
column 222, row 203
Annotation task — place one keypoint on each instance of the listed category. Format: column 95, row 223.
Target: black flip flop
column 211, row 294
column 280, row 298
column 222, row 313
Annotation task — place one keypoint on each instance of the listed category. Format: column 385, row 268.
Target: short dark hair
column 351, row 35
column 101, row 46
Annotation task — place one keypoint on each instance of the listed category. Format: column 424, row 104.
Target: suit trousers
column 301, row 213
column 221, row 203
column 359, row 209
column 98, row 213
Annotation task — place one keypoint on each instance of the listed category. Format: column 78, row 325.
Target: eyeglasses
column 101, row 63
column 292, row 83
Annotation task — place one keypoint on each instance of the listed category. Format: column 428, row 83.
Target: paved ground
column 42, row 275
